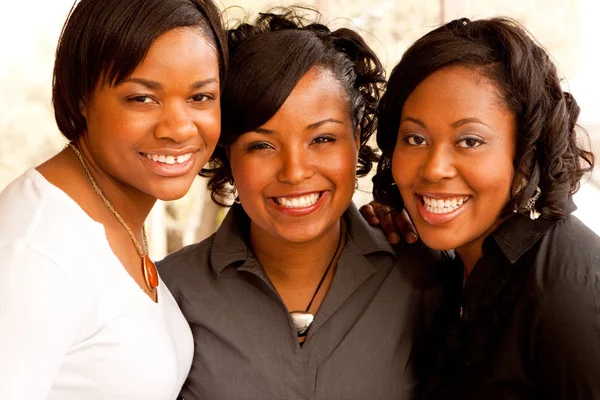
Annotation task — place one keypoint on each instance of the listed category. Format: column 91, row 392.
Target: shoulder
column 176, row 268
column 421, row 263
column 568, row 254
column 567, row 314
column 416, row 261
column 566, row 275
column 37, row 215
column 22, row 203
column 572, row 233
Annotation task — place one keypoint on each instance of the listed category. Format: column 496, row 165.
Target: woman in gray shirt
column 295, row 296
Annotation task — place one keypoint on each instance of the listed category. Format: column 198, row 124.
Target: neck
column 471, row 252
column 469, row 255
column 299, row 264
column 130, row 203
column 66, row 172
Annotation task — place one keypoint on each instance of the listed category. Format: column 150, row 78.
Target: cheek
column 492, row 180
column 404, row 169
column 341, row 166
column 209, row 126
column 249, row 175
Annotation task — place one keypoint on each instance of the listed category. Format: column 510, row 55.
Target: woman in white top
column 83, row 313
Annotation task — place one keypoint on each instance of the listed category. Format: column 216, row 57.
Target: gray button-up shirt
column 361, row 345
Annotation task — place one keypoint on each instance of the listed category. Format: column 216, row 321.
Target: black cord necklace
column 303, row 319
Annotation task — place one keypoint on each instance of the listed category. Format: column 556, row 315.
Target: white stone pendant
column 302, row 321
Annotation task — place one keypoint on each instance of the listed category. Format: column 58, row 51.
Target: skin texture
column 170, row 106
column 308, row 146
column 456, row 140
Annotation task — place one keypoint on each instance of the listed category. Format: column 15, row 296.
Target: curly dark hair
column 267, row 59
column 547, row 151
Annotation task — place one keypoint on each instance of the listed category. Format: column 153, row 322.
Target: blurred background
column 29, row 31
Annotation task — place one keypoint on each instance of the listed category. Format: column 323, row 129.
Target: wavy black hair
column 547, row 151
column 267, row 59
column 108, row 39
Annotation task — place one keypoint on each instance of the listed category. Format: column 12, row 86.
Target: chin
column 437, row 241
column 299, row 235
column 171, row 193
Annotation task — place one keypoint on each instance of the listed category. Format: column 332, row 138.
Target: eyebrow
column 454, row 125
column 158, row 86
column 310, row 127
column 465, row 121
column 414, row 120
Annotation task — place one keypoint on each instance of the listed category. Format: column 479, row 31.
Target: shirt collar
column 230, row 241
column 519, row 233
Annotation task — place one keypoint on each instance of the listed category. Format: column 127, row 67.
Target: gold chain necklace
column 148, row 267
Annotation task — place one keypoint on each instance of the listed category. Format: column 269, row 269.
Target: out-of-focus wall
column 569, row 29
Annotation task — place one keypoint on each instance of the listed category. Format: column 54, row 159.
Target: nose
column 439, row 165
column 176, row 123
column 296, row 166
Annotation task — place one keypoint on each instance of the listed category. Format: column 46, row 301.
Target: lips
column 169, row 165
column 298, row 201
column 169, row 159
column 439, row 210
column 300, row 204
column 443, row 206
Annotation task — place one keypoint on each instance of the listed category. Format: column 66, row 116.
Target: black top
column 530, row 325
column 361, row 345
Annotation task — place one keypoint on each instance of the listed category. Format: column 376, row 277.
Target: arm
column 36, row 323
column 391, row 222
column 567, row 339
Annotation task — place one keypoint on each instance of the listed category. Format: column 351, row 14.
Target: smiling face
column 453, row 160
column 153, row 132
column 295, row 174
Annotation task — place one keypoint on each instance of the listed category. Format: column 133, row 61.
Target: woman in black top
column 479, row 144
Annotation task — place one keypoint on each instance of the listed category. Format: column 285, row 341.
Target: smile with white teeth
column 161, row 158
column 299, row 201
column 439, row 206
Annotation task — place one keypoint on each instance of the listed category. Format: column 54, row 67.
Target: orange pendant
column 150, row 274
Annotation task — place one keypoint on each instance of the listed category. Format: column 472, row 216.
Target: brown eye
column 415, row 140
column 140, row 99
column 469, row 142
column 323, row 139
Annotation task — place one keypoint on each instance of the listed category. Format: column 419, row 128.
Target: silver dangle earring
column 533, row 213
column 236, row 198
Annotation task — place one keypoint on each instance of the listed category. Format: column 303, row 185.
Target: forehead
column 180, row 50
column 317, row 95
column 456, row 91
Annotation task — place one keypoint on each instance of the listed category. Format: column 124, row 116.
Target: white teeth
column 438, row 206
column 298, row 202
column 169, row 159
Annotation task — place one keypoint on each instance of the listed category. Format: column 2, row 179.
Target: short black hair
column 107, row 39
column 268, row 58
column 547, row 151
